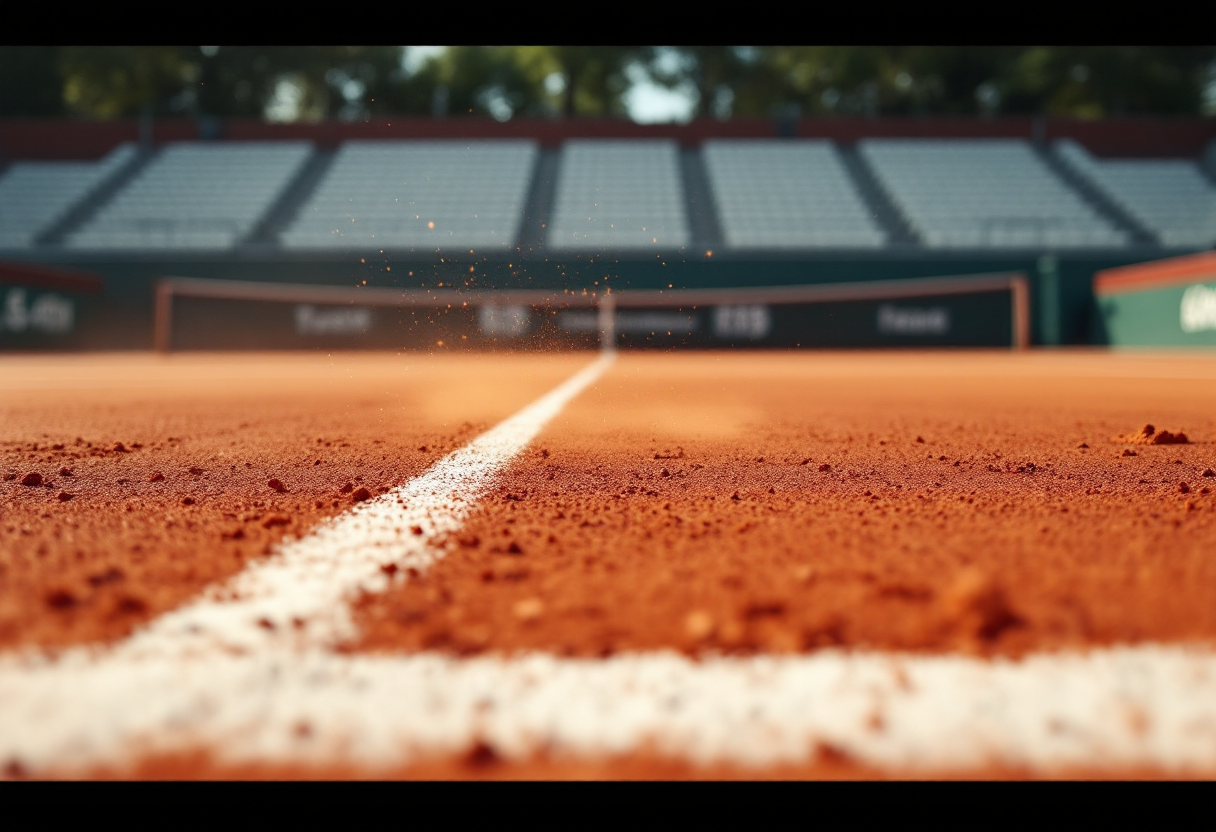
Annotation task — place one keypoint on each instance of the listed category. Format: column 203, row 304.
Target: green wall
column 1063, row 310
column 1155, row 317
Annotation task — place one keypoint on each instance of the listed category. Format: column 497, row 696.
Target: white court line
column 210, row 676
column 299, row 595
column 1149, row 706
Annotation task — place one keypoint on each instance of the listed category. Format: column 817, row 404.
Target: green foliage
column 347, row 82
column 481, row 81
column 277, row 82
column 112, row 81
column 947, row 80
column 1093, row 81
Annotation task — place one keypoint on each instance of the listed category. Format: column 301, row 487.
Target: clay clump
column 1149, row 435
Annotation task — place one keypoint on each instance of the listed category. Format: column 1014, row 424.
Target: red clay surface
column 159, row 477
column 482, row 763
column 782, row 503
column 711, row 503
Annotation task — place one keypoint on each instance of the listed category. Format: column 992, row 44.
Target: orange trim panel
column 1158, row 273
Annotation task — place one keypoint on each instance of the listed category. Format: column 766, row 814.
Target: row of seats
column 418, row 195
column 610, row 195
column 787, row 195
column 993, row 193
column 619, row 195
column 195, row 195
column 36, row 195
column 1169, row 197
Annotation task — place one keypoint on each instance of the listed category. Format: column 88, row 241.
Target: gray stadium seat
column 620, row 195
column 1170, row 197
column 432, row 195
column 34, row 195
column 782, row 194
column 195, row 195
column 984, row 193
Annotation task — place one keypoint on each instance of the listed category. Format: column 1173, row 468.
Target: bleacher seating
column 619, row 195
column 195, row 195
column 430, row 195
column 1170, row 197
column 984, row 193
column 35, row 195
column 611, row 195
column 786, row 194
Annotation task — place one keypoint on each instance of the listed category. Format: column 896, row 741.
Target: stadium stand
column 636, row 196
column 418, row 194
column 195, row 195
column 791, row 194
column 619, row 195
column 35, row 195
column 1170, row 197
column 984, row 193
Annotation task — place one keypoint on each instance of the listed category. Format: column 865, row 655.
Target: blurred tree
column 1094, row 81
column 717, row 76
column 531, row 80
column 946, row 80
column 582, row 80
column 346, row 82
column 595, row 78
column 249, row 81
column 242, row 81
column 349, row 82
column 960, row 81
column 352, row 82
column 112, row 81
column 495, row 81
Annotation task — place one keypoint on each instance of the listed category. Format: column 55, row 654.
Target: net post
column 164, row 315
column 1020, row 292
column 606, row 314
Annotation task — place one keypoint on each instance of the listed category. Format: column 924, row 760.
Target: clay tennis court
column 776, row 564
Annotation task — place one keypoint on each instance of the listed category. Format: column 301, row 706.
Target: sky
column 649, row 103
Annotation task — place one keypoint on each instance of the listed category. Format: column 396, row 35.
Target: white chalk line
column 299, row 595
column 210, row 676
column 1124, row 707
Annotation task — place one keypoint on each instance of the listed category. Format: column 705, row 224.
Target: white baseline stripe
column 1146, row 706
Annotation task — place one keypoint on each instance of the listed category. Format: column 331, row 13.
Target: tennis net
column 967, row 311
